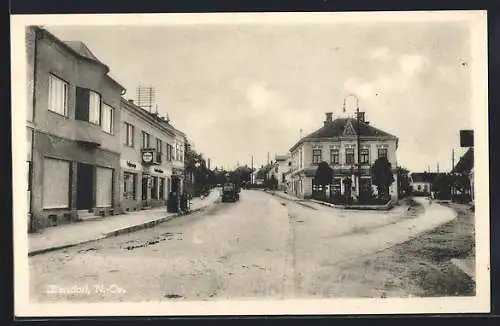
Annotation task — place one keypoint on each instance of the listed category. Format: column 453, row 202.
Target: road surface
column 261, row 247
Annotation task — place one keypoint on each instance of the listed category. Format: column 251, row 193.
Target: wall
column 391, row 150
column 30, row 73
column 54, row 58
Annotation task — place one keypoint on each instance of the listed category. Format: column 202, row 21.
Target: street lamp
column 358, row 179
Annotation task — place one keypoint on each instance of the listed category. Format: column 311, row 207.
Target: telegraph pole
column 452, row 159
column 357, row 140
column 251, row 175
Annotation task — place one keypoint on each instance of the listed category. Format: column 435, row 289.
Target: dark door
column 175, row 184
column 85, row 186
column 145, row 179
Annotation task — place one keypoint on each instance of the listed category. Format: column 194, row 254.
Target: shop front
column 71, row 181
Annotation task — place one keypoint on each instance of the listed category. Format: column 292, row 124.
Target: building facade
column 74, row 162
column 421, row 183
column 279, row 168
column 152, row 158
column 337, row 144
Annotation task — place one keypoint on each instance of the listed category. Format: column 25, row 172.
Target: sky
column 243, row 90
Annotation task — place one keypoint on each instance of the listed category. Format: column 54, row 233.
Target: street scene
column 212, row 162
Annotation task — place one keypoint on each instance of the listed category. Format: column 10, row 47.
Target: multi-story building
column 337, row 144
column 73, row 125
column 152, row 158
column 279, row 167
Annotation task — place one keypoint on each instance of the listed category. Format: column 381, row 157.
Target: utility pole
column 268, row 158
column 358, row 141
column 437, row 167
column 251, row 175
column 452, row 159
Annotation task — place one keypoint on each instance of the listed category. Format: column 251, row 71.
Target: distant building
column 336, row 144
column 465, row 167
column 421, row 182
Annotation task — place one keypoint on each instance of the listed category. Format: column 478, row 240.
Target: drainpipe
column 33, row 113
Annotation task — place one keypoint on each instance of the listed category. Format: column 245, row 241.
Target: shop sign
column 147, row 157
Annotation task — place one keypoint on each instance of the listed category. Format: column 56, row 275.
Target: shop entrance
column 85, row 186
column 145, row 187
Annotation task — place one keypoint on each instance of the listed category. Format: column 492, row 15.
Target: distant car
column 230, row 192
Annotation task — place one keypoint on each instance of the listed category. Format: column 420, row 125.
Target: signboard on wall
column 147, row 157
column 466, row 138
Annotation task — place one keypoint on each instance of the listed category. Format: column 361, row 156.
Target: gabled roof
column 82, row 50
column 79, row 49
column 345, row 127
column 466, row 162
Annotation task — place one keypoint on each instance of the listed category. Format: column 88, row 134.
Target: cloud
column 412, row 64
column 399, row 79
column 381, row 53
column 261, row 98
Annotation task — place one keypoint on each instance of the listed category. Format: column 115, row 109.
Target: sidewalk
column 73, row 234
column 282, row 195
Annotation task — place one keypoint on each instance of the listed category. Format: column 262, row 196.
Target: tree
column 323, row 177
column 382, row 177
column 403, row 181
column 442, row 186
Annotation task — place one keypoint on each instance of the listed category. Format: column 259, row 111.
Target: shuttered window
column 56, row 178
column 104, row 187
column 88, row 106
column 58, row 95
column 107, row 119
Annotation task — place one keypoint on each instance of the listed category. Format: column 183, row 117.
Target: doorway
column 84, row 186
column 145, row 186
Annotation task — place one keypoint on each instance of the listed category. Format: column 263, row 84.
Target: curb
column 365, row 207
column 128, row 229
column 460, row 264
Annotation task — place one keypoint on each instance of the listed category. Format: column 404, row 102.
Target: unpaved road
column 260, row 247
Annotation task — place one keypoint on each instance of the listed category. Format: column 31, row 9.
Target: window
column 107, row 119
column 334, row 156
column 145, row 140
column 129, row 184
column 316, row 156
column 55, row 183
column 104, row 187
column 58, row 95
column 161, row 192
column 159, row 145
column 169, row 152
column 349, row 156
column 94, row 108
column 382, row 152
column 176, row 151
column 364, row 156
column 129, row 134
column 88, row 106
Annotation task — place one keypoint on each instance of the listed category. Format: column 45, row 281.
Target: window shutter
column 82, row 104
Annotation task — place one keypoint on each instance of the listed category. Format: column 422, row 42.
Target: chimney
column 328, row 118
column 361, row 116
column 131, row 101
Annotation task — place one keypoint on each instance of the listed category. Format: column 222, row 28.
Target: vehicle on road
column 230, row 192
